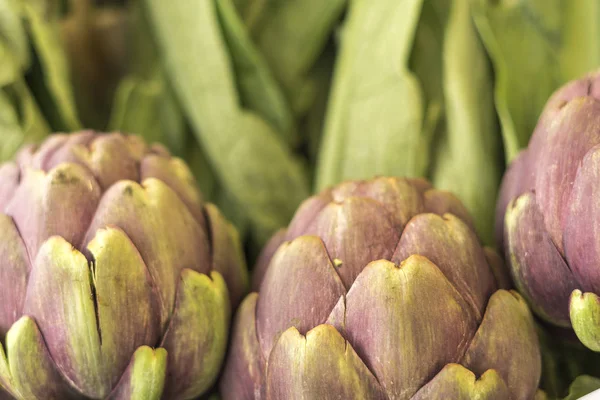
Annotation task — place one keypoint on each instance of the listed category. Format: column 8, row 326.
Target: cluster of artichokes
column 118, row 281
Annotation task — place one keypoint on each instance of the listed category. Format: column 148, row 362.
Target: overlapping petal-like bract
column 116, row 281
column 380, row 290
column 548, row 215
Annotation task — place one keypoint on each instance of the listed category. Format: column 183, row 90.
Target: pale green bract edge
column 292, row 35
column 375, row 114
column 467, row 161
column 536, row 46
column 247, row 155
column 259, row 91
column 149, row 371
column 46, row 41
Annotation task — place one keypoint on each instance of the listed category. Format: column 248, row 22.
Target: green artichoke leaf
column 146, row 104
column 581, row 386
column 197, row 333
column 21, row 120
column 457, row 382
column 426, row 62
column 27, row 370
column 248, row 156
column 228, row 205
column 584, row 310
column 13, row 35
column 50, row 71
column 374, row 118
column 535, row 46
column 292, row 35
column 251, row 12
column 148, row 107
column 11, row 135
column 467, row 159
column 33, row 124
column 259, row 91
column 20, row 117
column 313, row 122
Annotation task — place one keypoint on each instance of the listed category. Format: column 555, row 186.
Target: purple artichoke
column 381, row 290
column 548, row 215
column 115, row 279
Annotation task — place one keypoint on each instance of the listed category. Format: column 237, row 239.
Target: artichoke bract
column 116, row 280
column 548, row 214
column 381, row 290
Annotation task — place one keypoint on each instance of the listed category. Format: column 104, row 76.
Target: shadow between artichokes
column 116, row 281
column 548, row 213
column 381, row 290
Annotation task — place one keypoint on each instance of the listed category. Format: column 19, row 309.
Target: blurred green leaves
column 32, row 68
column 266, row 99
column 581, row 386
column 536, row 46
column 50, row 75
column 375, row 111
column 249, row 157
column 291, row 35
column 259, row 92
column 414, row 107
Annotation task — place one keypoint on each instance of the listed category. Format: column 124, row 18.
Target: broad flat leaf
column 12, row 32
column 582, row 386
column 258, row 88
column 536, row 46
column 322, row 76
column 426, row 62
column 292, row 35
column 375, row 113
column 247, row 155
column 467, row 159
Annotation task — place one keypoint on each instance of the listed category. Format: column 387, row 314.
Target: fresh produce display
column 548, row 212
column 381, row 290
column 115, row 278
column 254, row 106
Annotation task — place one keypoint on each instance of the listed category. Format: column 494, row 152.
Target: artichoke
column 548, row 213
column 115, row 279
column 381, row 290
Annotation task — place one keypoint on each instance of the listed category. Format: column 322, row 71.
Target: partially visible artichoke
column 115, row 279
column 381, row 290
column 548, row 215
